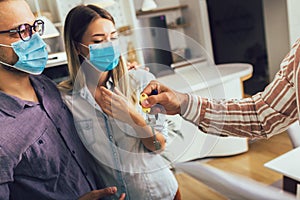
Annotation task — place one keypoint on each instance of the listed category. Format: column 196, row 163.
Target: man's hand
column 97, row 194
column 167, row 101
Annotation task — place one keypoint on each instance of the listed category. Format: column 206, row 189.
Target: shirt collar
column 87, row 95
column 12, row 105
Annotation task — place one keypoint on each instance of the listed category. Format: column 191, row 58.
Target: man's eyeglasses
column 25, row 30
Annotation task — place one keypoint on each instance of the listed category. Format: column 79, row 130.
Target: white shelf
column 56, row 59
column 139, row 13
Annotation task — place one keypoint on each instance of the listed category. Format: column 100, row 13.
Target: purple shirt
column 41, row 155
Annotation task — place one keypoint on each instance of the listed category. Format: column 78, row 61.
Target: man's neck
column 17, row 84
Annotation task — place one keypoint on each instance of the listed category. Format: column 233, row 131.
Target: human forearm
column 151, row 142
column 260, row 116
column 149, row 135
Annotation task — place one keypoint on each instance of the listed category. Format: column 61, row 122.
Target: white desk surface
column 287, row 164
column 199, row 76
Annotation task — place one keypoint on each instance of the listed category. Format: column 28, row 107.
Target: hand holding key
column 143, row 97
column 166, row 100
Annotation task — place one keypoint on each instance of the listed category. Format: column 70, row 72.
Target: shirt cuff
column 193, row 110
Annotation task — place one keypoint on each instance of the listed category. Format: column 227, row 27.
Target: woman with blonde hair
column 103, row 97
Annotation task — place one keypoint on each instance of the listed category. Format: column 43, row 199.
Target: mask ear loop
column 77, row 48
column 83, row 45
column 82, row 58
column 6, row 64
column 3, row 63
column 6, row 45
column 79, row 52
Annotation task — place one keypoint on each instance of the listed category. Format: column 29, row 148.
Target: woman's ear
column 77, row 48
column 81, row 49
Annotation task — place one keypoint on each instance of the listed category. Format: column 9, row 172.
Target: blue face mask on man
column 104, row 56
column 32, row 55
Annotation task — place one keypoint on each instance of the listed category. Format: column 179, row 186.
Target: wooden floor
column 249, row 164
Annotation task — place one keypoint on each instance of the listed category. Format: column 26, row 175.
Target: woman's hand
column 116, row 105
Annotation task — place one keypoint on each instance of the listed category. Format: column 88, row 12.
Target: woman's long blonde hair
column 76, row 23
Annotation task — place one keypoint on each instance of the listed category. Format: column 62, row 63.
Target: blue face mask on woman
column 32, row 55
column 104, row 56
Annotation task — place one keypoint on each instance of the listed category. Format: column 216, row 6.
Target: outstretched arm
column 263, row 115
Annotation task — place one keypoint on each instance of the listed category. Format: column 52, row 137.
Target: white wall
column 277, row 33
column 199, row 30
column 293, row 7
column 160, row 3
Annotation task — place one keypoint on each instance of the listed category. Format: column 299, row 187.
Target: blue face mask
column 32, row 55
column 104, row 56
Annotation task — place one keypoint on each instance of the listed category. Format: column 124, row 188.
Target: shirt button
column 41, row 141
column 110, row 137
column 73, row 152
column 115, row 154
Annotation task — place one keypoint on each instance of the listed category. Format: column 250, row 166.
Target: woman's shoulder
column 142, row 75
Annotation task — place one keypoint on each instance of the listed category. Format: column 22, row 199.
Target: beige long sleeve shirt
column 265, row 114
